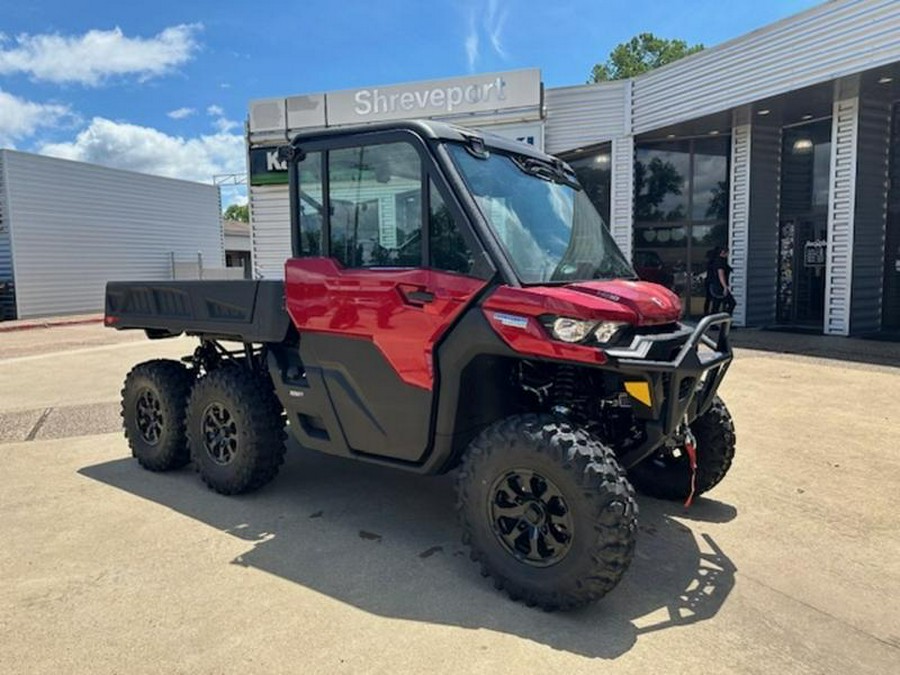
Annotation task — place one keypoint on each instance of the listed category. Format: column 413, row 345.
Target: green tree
column 237, row 212
column 641, row 53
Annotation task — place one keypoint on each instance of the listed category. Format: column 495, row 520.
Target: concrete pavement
column 791, row 565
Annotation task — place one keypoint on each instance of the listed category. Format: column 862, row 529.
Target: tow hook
column 690, row 447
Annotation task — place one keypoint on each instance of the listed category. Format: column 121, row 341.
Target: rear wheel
column 667, row 476
column 235, row 430
column 547, row 511
column 153, row 402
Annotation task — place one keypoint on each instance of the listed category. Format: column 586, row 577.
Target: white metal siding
column 839, row 261
column 824, row 43
column 622, row 197
column 739, row 221
column 585, row 115
column 270, row 232
column 76, row 226
column 7, row 306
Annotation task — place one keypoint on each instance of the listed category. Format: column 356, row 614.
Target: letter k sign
column 272, row 163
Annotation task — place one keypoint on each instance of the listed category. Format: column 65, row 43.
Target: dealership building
column 782, row 144
column 66, row 228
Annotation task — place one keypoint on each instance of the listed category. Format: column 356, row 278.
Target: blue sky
column 163, row 87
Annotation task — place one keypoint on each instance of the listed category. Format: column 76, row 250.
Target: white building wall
column 270, row 234
column 76, row 226
column 586, row 115
column 821, row 44
column 841, row 202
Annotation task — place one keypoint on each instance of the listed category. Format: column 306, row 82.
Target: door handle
column 414, row 295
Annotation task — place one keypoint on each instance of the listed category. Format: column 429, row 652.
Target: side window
column 448, row 248
column 375, row 195
column 310, row 204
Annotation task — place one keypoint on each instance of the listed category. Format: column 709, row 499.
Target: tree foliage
column 640, row 54
column 239, row 212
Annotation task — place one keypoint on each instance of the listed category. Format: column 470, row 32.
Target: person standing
column 721, row 284
column 711, row 256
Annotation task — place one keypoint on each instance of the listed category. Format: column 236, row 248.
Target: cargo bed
column 242, row 310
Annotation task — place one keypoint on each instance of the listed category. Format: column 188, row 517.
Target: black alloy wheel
column 530, row 517
column 149, row 417
column 220, row 434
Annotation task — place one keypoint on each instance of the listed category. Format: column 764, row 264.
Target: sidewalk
column 49, row 321
column 822, row 346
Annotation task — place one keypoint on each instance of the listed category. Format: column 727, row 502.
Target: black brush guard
column 681, row 389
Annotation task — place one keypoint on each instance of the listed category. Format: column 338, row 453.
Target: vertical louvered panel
column 7, row 296
column 821, row 44
column 76, row 226
column 622, row 208
column 270, row 231
column 739, row 217
column 870, row 214
column 762, row 235
column 585, row 115
column 839, row 260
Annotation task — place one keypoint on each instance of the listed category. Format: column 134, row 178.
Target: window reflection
column 681, row 213
column 594, row 171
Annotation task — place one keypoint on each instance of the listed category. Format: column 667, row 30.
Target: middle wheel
column 235, row 430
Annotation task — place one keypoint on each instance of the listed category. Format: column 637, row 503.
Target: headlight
column 572, row 330
column 607, row 330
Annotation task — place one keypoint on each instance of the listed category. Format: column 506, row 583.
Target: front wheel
column 667, row 476
column 547, row 511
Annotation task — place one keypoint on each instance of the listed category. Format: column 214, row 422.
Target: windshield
column 549, row 228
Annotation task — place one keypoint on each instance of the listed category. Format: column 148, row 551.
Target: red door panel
column 402, row 311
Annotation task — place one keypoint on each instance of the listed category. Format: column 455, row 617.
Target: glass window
column 681, row 213
column 549, row 229
column 661, row 174
column 594, row 172
column 448, row 248
column 310, row 204
column 376, row 205
column 710, row 179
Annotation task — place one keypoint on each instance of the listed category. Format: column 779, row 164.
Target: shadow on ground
column 387, row 542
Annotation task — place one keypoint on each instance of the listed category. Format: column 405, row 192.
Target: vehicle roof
column 429, row 129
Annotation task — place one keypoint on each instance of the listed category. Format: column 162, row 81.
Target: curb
column 50, row 323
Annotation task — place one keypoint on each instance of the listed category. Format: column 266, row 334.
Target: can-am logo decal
column 511, row 320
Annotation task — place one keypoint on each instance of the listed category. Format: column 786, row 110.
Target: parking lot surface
column 792, row 564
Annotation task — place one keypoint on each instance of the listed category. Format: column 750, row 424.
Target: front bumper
column 682, row 386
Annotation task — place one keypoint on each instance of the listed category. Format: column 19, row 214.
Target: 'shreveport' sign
column 439, row 98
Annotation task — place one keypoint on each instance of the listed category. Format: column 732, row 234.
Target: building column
column 739, row 213
column 870, row 212
column 763, row 178
column 841, row 203
column 622, row 194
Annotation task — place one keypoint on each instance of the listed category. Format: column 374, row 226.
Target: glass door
column 803, row 226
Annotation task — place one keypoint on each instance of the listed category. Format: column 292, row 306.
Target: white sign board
column 531, row 133
column 437, row 98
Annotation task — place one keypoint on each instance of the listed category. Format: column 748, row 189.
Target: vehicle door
column 384, row 265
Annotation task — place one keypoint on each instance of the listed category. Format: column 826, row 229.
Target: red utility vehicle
column 453, row 302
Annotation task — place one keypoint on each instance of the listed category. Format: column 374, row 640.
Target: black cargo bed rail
column 250, row 311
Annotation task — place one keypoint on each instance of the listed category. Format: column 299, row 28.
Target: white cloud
column 20, row 118
column 493, row 14
column 215, row 111
column 471, row 43
column 97, row 55
column 137, row 148
column 494, row 22
column 181, row 113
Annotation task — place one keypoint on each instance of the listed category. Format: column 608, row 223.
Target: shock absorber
column 566, row 397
